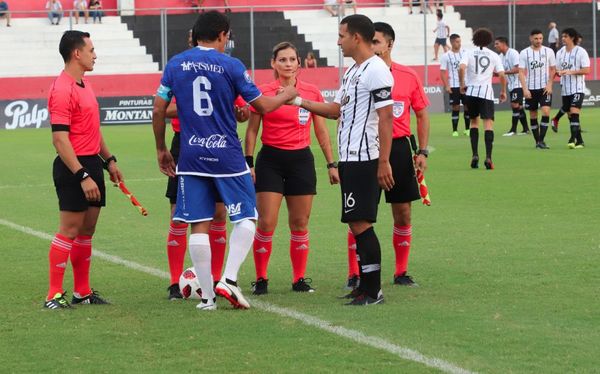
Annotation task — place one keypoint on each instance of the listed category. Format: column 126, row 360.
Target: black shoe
column 353, row 283
column 303, row 285
column 475, row 162
column 260, row 287
column 353, row 294
column 489, row 165
column 404, row 280
column 93, row 298
column 57, row 302
column 364, row 299
column 174, row 292
column 542, row 145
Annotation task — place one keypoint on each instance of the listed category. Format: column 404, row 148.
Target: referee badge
column 303, row 116
column 398, row 109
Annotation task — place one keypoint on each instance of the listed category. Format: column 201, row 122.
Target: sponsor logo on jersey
column 536, row 64
column 201, row 66
column 212, row 142
column 398, row 109
column 303, row 116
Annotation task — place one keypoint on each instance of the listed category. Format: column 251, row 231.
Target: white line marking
column 108, row 182
column 357, row 336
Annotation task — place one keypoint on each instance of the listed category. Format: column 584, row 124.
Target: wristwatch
column 108, row 160
column 332, row 165
column 423, row 152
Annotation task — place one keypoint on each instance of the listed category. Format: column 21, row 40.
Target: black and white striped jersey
column 450, row 61
column 365, row 88
column 481, row 64
column 575, row 59
column 537, row 65
column 509, row 61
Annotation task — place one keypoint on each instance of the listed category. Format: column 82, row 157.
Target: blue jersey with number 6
column 206, row 84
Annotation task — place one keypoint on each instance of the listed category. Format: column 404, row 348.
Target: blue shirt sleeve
column 164, row 91
column 243, row 82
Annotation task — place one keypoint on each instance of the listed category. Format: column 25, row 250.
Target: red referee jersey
column 175, row 124
column 289, row 126
column 407, row 93
column 76, row 106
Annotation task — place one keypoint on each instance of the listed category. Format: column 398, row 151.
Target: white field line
column 108, row 182
column 355, row 335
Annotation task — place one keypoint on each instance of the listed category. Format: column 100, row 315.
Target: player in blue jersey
column 211, row 163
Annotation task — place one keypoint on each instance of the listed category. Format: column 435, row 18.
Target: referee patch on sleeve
column 382, row 94
column 66, row 128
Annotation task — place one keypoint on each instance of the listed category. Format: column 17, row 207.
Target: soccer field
column 506, row 261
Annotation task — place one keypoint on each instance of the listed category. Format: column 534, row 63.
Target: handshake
column 291, row 95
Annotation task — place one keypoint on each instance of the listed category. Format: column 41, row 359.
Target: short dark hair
column 535, row 32
column 482, row 37
column 386, row 29
column 361, row 25
column 70, row 41
column 502, row 39
column 209, row 25
column 573, row 34
column 453, row 37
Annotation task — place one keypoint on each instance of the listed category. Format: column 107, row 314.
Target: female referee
column 285, row 166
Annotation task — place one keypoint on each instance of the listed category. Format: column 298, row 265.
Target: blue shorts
column 197, row 196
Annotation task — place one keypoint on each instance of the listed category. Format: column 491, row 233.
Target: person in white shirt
column 449, row 63
column 477, row 68
column 539, row 63
column 80, row 8
column 55, row 10
column 441, row 34
column 510, row 61
column 553, row 37
column 572, row 64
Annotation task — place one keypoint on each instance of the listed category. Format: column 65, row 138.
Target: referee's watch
column 108, row 160
column 332, row 165
column 423, row 152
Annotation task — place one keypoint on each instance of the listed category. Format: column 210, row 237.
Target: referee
column 77, row 171
column 364, row 104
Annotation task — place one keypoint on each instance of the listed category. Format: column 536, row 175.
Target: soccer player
column 407, row 93
column 477, row 68
column 441, row 34
column 573, row 63
column 77, row 170
column 285, row 167
column 510, row 62
column 364, row 142
column 211, row 163
column 539, row 64
column 449, row 63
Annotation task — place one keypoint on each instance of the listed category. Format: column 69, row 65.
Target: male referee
column 364, row 103
column 77, row 170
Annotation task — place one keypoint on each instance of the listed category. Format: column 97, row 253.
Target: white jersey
column 481, row 64
column 450, row 61
column 441, row 32
column 576, row 59
column 365, row 88
column 509, row 61
column 537, row 64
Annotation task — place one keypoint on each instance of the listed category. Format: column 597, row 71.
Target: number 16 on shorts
column 349, row 202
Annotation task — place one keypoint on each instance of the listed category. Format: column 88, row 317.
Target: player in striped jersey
column 477, row 68
column 510, row 61
column 573, row 63
column 364, row 141
column 441, row 34
column 450, row 62
column 539, row 63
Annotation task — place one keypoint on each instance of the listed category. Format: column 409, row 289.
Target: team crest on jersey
column 398, row 108
column 247, row 77
column 303, row 116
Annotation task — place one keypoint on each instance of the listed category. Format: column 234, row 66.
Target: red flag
column 132, row 198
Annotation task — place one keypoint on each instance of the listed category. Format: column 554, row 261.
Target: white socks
column 200, row 253
column 240, row 242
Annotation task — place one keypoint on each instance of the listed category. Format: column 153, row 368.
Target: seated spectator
column 55, row 10
column 81, row 9
column 96, row 10
column 331, row 7
column 347, row 4
column 4, row 13
column 310, row 61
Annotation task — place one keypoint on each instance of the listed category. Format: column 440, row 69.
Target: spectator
column 441, row 34
column 230, row 45
column 96, row 10
column 553, row 37
column 55, row 10
column 4, row 13
column 80, row 7
column 310, row 61
column 331, row 6
column 198, row 5
column 348, row 3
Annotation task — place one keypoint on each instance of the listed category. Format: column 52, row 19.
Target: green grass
column 506, row 261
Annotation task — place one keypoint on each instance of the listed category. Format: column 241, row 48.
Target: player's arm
column 385, row 126
column 502, row 86
column 266, row 104
column 514, row 70
column 166, row 163
column 444, row 78
column 322, row 134
column 423, row 126
column 526, row 92
column 461, row 78
column 110, row 162
column 171, row 111
column 551, row 74
column 327, row 110
column 250, row 140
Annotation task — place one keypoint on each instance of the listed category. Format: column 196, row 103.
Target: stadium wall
column 23, row 8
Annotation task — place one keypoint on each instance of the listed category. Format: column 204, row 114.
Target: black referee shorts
column 405, row 188
column 360, row 190
column 538, row 99
column 68, row 187
column 288, row 172
column 479, row 107
column 172, row 182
